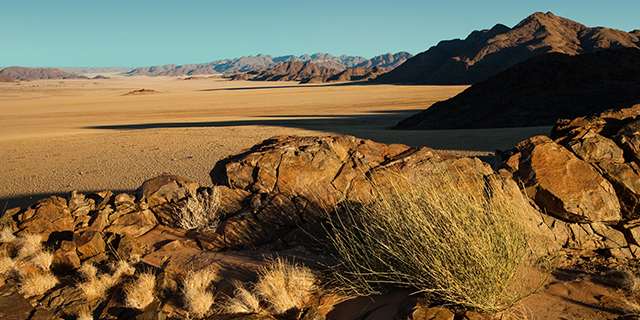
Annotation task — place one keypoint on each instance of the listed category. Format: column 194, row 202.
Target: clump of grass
column 281, row 286
column 198, row 298
column 243, row 301
column 97, row 285
column 200, row 212
column 30, row 244
column 459, row 240
column 285, row 286
column 6, row 235
column 36, row 284
column 30, row 266
column 140, row 294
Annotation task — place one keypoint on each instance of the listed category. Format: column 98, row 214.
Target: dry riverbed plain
column 90, row 135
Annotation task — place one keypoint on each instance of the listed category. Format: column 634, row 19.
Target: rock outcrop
column 487, row 52
column 587, row 179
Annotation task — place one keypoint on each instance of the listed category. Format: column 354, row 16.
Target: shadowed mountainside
column 485, row 53
column 353, row 74
column 289, row 71
column 22, row 73
column 539, row 91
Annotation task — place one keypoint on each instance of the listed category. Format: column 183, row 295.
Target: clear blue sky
column 88, row 33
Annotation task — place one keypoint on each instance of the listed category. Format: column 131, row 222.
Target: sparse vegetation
column 36, row 284
column 30, row 266
column 200, row 212
column 198, row 298
column 140, row 293
column 284, row 286
column 243, row 301
column 6, row 235
column 281, row 286
column 96, row 285
column 458, row 240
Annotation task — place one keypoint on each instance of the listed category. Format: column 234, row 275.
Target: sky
column 88, row 33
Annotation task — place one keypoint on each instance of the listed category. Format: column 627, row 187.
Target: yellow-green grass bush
column 458, row 239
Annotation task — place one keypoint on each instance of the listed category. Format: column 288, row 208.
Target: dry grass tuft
column 198, row 300
column 42, row 260
column 6, row 235
column 85, row 314
column 30, row 244
column 96, row 285
column 36, row 284
column 243, row 301
column 200, row 212
column 140, row 294
column 459, row 240
column 7, row 265
column 284, row 286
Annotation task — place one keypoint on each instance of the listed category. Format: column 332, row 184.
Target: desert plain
column 57, row 136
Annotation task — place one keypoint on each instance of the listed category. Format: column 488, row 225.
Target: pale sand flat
column 88, row 135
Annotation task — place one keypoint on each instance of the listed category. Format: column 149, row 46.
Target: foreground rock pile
column 579, row 192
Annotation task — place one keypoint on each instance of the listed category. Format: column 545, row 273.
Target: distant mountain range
column 540, row 91
column 261, row 62
column 82, row 70
column 26, row 74
column 487, row 52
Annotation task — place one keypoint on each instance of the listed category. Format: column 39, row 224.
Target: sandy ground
column 90, row 135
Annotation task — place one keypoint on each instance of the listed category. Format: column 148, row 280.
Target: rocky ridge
column 539, row 91
column 486, row 52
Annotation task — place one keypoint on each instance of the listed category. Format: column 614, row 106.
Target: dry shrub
column 30, row 244
column 96, row 285
column 458, row 240
column 200, row 212
column 197, row 298
column 243, row 301
column 7, row 265
column 140, row 294
column 284, row 286
column 42, row 260
column 6, row 235
column 36, row 284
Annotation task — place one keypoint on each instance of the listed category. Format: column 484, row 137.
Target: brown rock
column 15, row 307
column 166, row 188
column 563, row 185
column 65, row 258
column 593, row 148
column 88, row 244
column 433, row 313
column 629, row 139
column 49, row 215
column 625, row 179
column 134, row 224
column 129, row 247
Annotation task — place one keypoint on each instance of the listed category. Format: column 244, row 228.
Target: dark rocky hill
column 388, row 61
column 292, row 71
column 539, row 91
column 353, row 74
column 485, row 53
column 22, row 73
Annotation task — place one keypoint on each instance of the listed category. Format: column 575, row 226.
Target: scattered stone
column 88, row 244
column 48, row 216
column 166, row 188
column 134, row 224
column 65, row 258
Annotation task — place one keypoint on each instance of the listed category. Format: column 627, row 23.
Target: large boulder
column 292, row 182
column 562, row 184
column 166, row 188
